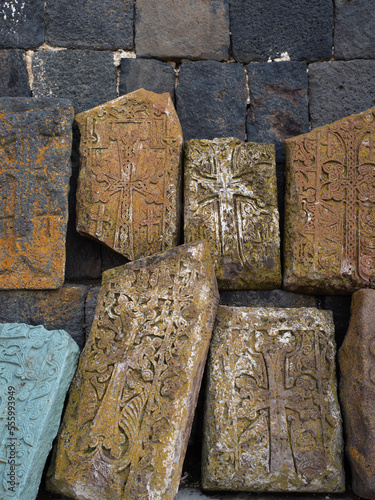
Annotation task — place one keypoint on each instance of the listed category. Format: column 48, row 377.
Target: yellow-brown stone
column 129, row 182
column 131, row 405
column 272, row 419
column 35, row 146
column 330, row 207
column 231, row 201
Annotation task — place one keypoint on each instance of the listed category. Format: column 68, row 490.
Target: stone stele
column 231, row 201
column 35, row 147
column 36, row 367
column 330, row 207
column 357, row 392
column 129, row 182
column 272, row 419
column 132, row 402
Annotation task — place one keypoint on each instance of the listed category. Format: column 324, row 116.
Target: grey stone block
column 13, row 76
column 86, row 77
column 266, row 298
column 175, row 29
column 340, row 88
column 211, row 100
column 265, row 28
column 278, row 103
column 21, row 23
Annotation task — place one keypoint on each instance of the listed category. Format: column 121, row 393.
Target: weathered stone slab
column 231, row 201
column 132, row 402
column 14, row 81
column 36, row 369
column 35, row 143
column 21, row 24
column 272, row 420
column 129, row 182
column 357, row 392
column 266, row 298
column 330, row 207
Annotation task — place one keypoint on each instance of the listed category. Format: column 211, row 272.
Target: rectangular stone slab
column 231, row 201
column 131, row 406
column 330, row 207
column 128, row 193
column 36, row 367
column 35, row 147
column 272, row 420
column 357, row 392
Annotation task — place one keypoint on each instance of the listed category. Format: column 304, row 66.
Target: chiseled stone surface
column 129, row 181
column 37, row 367
column 357, row 392
column 231, row 201
column 131, row 406
column 35, row 145
column 330, row 207
column 272, row 420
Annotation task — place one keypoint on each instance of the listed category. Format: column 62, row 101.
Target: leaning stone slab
column 129, row 181
column 330, row 207
column 36, row 367
column 272, row 419
column 357, row 392
column 131, row 406
column 35, row 146
column 231, row 201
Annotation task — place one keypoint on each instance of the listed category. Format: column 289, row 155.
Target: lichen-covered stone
column 131, row 406
column 36, row 368
column 272, row 420
column 129, row 182
column 35, row 145
column 231, row 201
column 330, row 207
column 357, row 392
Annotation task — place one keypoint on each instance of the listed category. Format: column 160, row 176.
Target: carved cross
column 150, row 221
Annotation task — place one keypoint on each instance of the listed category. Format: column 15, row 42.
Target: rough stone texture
column 340, row 88
column 278, row 103
column 86, row 77
column 267, row 298
column 37, row 367
column 357, row 392
column 91, row 301
column 35, row 143
column 175, row 29
column 129, row 182
column 263, row 29
column 211, row 100
column 231, row 201
column 147, row 74
column 330, row 207
column 61, row 309
column 354, row 29
column 13, row 76
column 272, row 420
column 92, row 24
column 132, row 401
column 21, row 23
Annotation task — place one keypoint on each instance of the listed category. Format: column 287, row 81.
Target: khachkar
column 330, row 207
column 357, row 392
column 231, row 201
column 131, row 406
column 272, row 420
column 129, row 183
column 35, row 146
column 36, row 367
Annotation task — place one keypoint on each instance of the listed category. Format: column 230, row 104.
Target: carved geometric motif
column 129, row 182
column 330, row 212
column 231, row 201
column 272, row 419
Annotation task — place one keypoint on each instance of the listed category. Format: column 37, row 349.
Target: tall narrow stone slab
column 129, row 182
column 330, row 207
column 36, row 367
column 272, row 420
column 132, row 402
column 231, row 201
column 357, row 392
column 35, row 145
